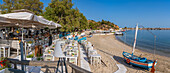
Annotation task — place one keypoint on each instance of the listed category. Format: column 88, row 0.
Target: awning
column 21, row 19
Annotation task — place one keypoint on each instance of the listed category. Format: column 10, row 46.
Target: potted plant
column 53, row 46
column 40, row 59
column 29, row 57
column 49, row 52
column 29, row 43
column 39, row 55
column 4, row 63
column 72, row 54
column 2, row 70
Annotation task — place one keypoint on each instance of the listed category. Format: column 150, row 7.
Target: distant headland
column 149, row 28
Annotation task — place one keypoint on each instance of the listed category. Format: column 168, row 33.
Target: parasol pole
column 21, row 47
column 22, row 34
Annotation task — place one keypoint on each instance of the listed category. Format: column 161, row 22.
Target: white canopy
column 28, row 18
column 22, row 19
column 20, row 15
column 55, row 24
column 50, row 23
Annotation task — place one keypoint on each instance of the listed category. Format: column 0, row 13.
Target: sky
column 125, row 13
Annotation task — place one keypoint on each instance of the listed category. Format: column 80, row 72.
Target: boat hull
column 145, row 64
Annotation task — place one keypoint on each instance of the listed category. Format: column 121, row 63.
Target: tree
column 62, row 12
column 101, row 24
column 125, row 28
column 33, row 5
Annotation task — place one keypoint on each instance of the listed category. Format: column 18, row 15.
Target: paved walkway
column 122, row 68
column 83, row 59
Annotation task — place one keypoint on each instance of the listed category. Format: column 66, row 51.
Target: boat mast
column 133, row 50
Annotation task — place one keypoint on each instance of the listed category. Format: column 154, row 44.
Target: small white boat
column 118, row 33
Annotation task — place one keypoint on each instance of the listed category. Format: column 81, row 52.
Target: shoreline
column 149, row 28
column 157, row 52
column 108, row 45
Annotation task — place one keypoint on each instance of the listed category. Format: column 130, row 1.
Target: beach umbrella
column 55, row 24
column 23, row 19
column 50, row 23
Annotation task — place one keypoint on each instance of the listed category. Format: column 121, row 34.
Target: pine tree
column 62, row 12
column 33, row 5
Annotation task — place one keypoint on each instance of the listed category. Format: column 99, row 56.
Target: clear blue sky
column 149, row 13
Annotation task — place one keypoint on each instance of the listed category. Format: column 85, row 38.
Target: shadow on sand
column 121, row 60
column 61, row 63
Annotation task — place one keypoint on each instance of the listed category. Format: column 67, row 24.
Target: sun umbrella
column 55, row 24
column 50, row 23
column 24, row 19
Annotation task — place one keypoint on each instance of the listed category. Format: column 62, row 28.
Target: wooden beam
column 35, row 63
column 75, row 68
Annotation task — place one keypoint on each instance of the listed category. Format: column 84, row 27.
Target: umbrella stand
column 21, row 47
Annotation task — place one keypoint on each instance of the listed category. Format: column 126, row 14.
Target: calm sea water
column 145, row 40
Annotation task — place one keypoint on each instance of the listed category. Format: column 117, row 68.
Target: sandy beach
column 108, row 46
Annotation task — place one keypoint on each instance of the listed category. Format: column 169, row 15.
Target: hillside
column 103, row 25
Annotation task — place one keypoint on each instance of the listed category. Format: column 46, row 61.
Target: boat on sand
column 138, row 61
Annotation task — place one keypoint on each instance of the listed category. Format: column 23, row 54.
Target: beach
column 108, row 46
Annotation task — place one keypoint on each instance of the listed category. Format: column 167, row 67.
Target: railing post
column 75, row 68
column 15, row 66
column 73, row 71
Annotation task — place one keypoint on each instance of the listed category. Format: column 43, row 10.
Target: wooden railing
column 76, row 69
column 44, row 64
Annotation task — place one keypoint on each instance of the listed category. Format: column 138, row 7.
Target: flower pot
column 2, row 71
column 29, row 44
column 29, row 59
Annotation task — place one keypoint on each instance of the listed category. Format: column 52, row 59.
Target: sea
column 148, row 40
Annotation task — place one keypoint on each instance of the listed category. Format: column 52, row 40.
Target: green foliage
column 4, row 63
column 30, row 56
column 59, row 11
column 2, row 68
column 101, row 24
column 39, row 59
column 62, row 12
column 30, row 42
column 33, row 5
column 125, row 28
column 39, row 55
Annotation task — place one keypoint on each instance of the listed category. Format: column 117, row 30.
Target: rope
column 147, row 40
column 125, row 40
column 154, row 42
column 154, row 47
